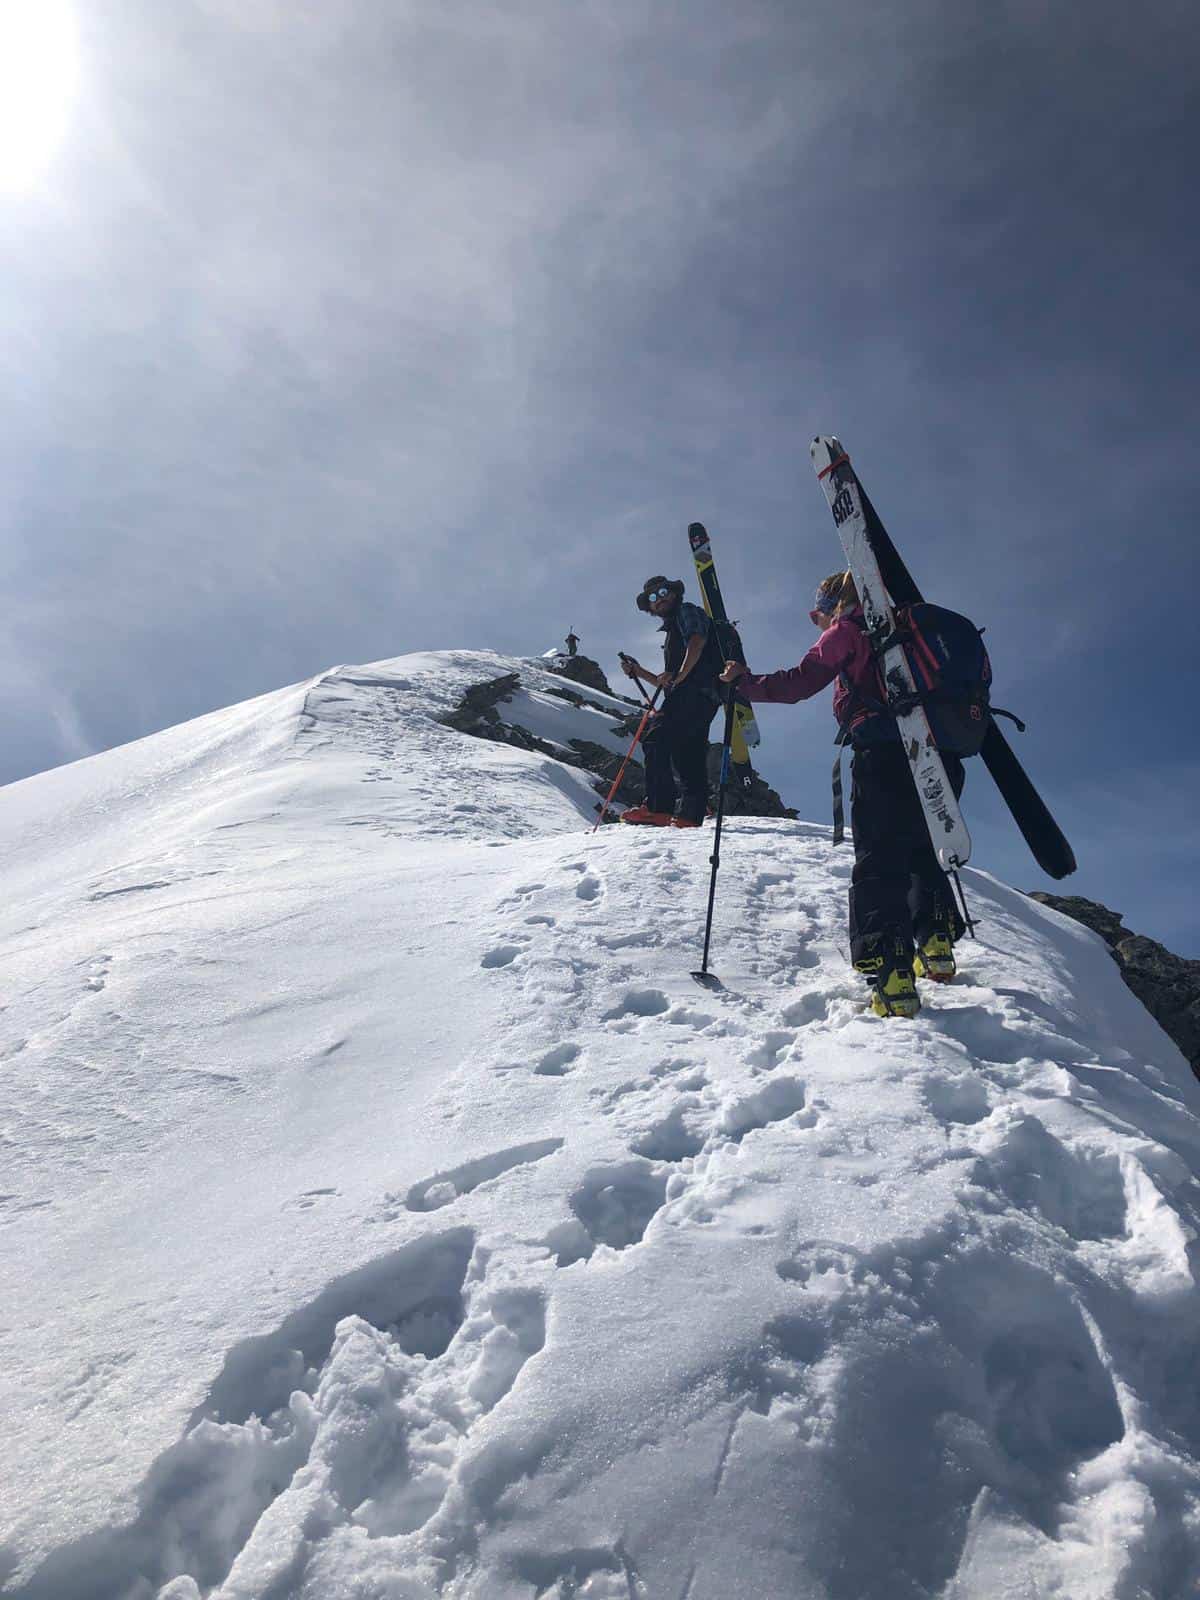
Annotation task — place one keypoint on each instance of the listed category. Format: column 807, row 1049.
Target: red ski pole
column 646, row 715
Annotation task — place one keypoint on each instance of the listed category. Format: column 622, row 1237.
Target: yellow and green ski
column 745, row 729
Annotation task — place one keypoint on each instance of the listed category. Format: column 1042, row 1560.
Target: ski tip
column 827, row 452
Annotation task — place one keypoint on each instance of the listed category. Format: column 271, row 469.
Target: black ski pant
column 675, row 748
column 897, row 889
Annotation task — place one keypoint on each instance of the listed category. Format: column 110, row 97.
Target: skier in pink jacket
column 899, row 896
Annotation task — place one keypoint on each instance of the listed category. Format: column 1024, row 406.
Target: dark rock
column 1093, row 915
column 580, row 669
column 595, row 758
column 752, row 797
column 1167, row 985
column 478, row 714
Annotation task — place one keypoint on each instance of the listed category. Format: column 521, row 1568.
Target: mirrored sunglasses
column 655, row 595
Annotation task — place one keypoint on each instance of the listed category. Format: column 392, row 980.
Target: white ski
column 947, row 830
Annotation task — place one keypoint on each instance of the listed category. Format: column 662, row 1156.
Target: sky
column 333, row 332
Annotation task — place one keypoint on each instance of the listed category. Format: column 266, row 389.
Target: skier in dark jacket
column 675, row 745
column 899, row 895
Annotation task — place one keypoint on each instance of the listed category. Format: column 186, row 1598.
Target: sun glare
column 39, row 65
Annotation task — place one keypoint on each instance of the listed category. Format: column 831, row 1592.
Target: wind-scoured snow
column 385, row 1212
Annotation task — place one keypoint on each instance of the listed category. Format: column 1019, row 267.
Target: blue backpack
column 953, row 678
column 952, row 672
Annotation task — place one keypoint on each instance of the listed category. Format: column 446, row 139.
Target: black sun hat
column 659, row 582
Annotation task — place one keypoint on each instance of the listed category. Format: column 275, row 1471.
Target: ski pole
column 704, row 976
column 641, row 686
column 646, row 715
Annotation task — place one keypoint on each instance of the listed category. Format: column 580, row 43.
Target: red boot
column 642, row 816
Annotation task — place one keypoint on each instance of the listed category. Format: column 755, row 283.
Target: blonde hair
column 840, row 586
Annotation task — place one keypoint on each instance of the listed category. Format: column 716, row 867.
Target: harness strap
column 839, row 809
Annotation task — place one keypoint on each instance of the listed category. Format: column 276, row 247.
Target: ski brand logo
column 843, row 507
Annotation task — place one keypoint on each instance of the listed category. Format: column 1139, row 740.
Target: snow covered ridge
column 386, row 1213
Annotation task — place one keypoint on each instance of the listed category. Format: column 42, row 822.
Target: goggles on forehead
column 824, row 605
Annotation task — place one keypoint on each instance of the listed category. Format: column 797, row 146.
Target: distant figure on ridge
column 899, row 895
column 675, row 744
column 572, row 643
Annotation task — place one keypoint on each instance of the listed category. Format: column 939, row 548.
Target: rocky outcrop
column 476, row 712
column 1167, row 985
column 752, row 796
column 580, row 669
column 479, row 713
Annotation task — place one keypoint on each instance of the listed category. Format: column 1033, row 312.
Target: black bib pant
column 675, row 747
column 897, row 888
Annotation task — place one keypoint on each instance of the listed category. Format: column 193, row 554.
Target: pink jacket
column 842, row 648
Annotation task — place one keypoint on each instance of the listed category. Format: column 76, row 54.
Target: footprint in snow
column 672, row 1138
column 672, row 1065
column 615, row 1204
column 1048, row 1400
column 271, row 1399
column 767, row 1054
column 768, row 880
column 98, row 976
column 556, row 1063
column 962, row 1100
column 1080, row 1189
column 307, row 1200
column 777, row 1099
column 1005, row 1039
column 551, row 981
column 685, row 1017
column 640, row 939
column 523, row 892
column 823, row 1269
column 446, row 1187
column 774, row 1366
column 502, row 956
column 813, row 1007
column 595, row 1573
column 639, row 1003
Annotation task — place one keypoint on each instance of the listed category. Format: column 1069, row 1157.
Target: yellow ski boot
column 935, row 959
column 894, row 992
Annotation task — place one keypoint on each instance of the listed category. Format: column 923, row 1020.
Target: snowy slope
column 385, row 1212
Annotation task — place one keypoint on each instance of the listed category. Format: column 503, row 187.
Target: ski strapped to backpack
column 1044, row 837
column 939, row 805
column 745, row 728
column 952, row 676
